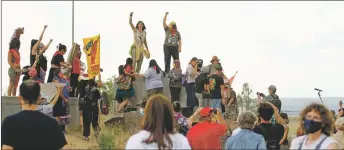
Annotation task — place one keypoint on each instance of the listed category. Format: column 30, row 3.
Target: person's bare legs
column 122, row 105
column 14, row 91
column 9, row 90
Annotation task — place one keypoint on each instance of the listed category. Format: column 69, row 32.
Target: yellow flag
column 92, row 51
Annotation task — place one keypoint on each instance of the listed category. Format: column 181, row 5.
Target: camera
column 261, row 94
column 199, row 65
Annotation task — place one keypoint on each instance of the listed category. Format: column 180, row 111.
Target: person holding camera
column 271, row 98
column 208, row 132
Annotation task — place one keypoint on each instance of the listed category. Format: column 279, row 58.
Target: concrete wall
column 140, row 91
column 11, row 105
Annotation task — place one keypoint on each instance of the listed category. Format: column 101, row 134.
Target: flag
column 232, row 78
column 92, row 51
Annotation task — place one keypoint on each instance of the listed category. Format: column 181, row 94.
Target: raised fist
column 45, row 26
column 131, row 13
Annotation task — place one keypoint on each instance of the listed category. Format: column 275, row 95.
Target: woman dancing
column 139, row 40
column 172, row 44
column 58, row 61
column 61, row 108
column 38, row 48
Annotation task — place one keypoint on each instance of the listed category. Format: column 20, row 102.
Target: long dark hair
column 15, row 44
column 33, row 42
column 159, row 120
column 153, row 63
column 143, row 25
column 121, row 70
column 129, row 61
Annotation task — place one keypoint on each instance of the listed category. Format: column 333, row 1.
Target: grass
column 116, row 137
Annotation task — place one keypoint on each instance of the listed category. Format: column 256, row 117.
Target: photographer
column 208, row 132
column 272, row 98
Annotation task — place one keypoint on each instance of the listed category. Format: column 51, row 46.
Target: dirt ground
column 121, row 135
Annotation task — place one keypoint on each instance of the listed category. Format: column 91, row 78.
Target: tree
column 109, row 89
column 244, row 99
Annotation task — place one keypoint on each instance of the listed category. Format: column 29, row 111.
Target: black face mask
column 312, row 126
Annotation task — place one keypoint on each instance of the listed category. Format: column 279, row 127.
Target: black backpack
column 270, row 137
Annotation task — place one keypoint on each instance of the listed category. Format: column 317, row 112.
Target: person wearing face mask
column 317, row 122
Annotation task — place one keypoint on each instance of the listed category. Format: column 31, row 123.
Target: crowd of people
column 210, row 97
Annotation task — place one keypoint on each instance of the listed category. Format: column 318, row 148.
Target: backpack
column 271, row 140
column 199, row 81
column 276, row 101
column 104, row 104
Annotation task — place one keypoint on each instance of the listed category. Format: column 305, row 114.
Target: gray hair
column 247, row 120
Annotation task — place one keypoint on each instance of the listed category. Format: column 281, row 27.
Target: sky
column 297, row 46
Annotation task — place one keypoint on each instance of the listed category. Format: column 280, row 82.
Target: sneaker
column 86, row 138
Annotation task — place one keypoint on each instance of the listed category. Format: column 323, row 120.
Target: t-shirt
column 171, row 40
column 236, row 131
column 76, row 66
column 189, row 71
column 136, row 141
column 93, row 95
column 295, row 143
column 270, row 133
column 57, row 59
column 215, row 82
column 201, row 80
column 32, row 130
column 206, row 135
column 153, row 79
column 46, row 109
column 233, row 95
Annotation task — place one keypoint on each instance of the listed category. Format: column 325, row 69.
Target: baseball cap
column 200, row 61
column 207, row 111
column 218, row 67
column 272, row 87
column 214, row 58
column 204, row 69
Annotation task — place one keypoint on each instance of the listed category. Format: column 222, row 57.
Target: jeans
column 175, row 93
column 215, row 103
column 90, row 116
column 168, row 52
column 190, row 93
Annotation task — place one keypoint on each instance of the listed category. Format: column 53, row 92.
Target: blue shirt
column 246, row 139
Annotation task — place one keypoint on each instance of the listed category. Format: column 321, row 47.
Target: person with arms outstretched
column 172, row 44
column 140, row 39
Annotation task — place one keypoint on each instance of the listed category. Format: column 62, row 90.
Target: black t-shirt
column 268, row 133
column 57, row 59
column 200, row 82
column 32, row 130
column 93, row 95
column 215, row 82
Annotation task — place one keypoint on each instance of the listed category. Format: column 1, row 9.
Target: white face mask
column 141, row 111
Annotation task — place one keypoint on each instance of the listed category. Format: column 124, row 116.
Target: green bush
column 106, row 141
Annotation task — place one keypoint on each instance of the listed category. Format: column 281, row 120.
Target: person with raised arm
column 58, row 61
column 140, row 41
column 172, row 44
column 37, row 47
column 47, row 107
column 14, row 70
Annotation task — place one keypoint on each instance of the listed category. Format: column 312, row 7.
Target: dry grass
column 118, row 135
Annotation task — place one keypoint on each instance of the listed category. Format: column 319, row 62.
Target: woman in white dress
column 140, row 41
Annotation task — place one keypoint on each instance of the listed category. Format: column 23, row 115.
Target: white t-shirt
column 136, row 141
column 295, row 143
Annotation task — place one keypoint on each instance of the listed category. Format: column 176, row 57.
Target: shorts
column 121, row 95
column 14, row 77
column 232, row 112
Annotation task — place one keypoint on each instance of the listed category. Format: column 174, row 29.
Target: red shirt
column 76, row 66
column 206, row 135
column 15, row 56
column 128, row 68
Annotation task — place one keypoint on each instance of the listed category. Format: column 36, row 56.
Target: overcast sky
column 296, row 46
